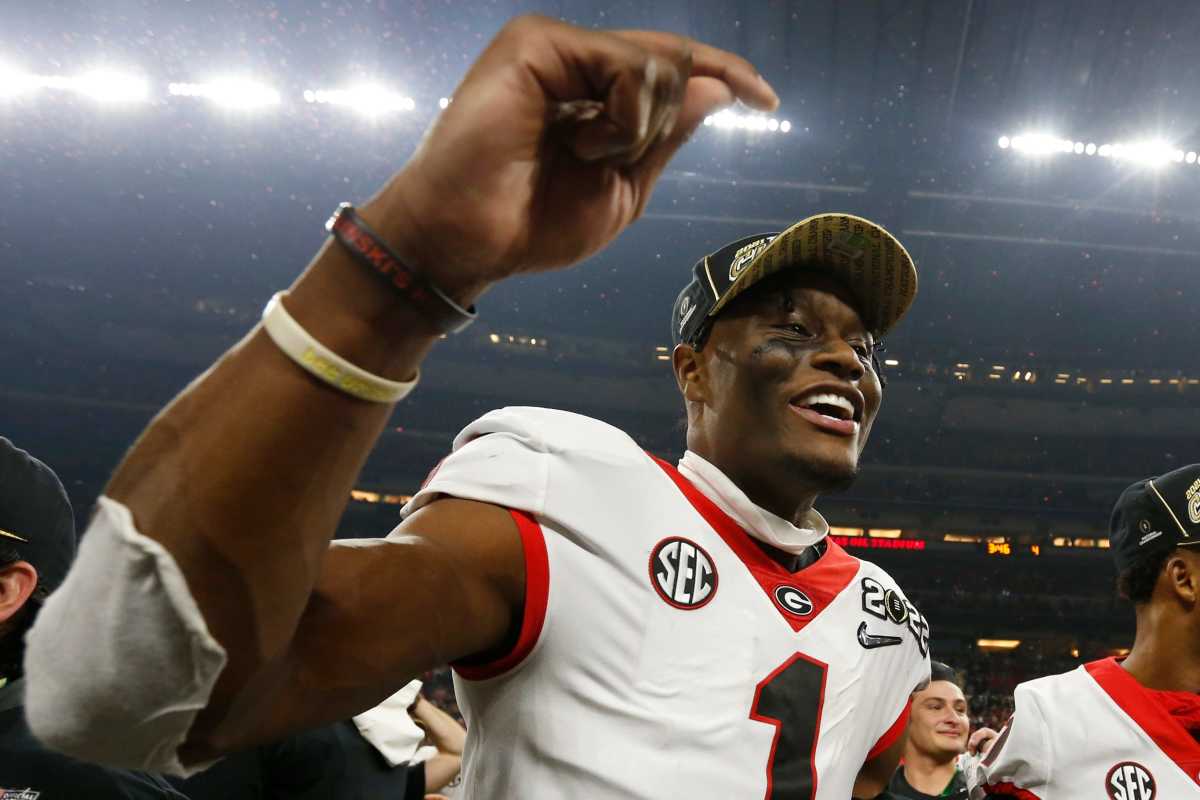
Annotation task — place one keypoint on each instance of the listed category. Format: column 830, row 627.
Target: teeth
column 829, row 399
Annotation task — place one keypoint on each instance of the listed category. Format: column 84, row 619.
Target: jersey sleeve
column 1019, row 763
column 910, row 662
column 500, row 458
column 916, row 672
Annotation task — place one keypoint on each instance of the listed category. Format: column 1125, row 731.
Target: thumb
column 702, row 97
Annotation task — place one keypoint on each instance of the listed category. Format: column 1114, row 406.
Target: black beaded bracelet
column 368, row 249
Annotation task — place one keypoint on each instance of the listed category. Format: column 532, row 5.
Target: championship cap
column 35, row 515
column 1156, row 515
column 863, row 256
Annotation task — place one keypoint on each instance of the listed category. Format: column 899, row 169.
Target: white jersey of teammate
column 1089, row 733
column 662, row 653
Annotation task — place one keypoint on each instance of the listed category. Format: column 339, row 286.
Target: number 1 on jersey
column 791, row 699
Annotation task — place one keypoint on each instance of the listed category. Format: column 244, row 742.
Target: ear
column 690, row 374
column 17, row 582
column 1182, row 574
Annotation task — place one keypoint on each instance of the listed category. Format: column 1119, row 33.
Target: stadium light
column 730, row 120
column 1147, row 152
column 102, row 85
column 370, row 100
column 443, row 102
column 14, row 82
column 229, row 93
column 110, row 86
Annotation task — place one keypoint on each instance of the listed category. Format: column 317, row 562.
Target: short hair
column 13, row 630
column 939, row 671
column 1136, row 582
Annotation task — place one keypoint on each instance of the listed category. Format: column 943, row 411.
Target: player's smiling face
column 786, row 390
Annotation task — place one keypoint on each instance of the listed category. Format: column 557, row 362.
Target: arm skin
column 447, row 736
column 243, row 477
column 444, row 731
column 875, row 775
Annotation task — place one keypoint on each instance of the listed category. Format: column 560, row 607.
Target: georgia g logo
column 793, row 601
column 682, row 573
column 1129, row 780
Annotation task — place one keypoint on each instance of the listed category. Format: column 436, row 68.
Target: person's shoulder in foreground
column 1126, row 728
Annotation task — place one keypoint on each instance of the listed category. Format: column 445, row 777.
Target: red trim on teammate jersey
column 892, row 734
column 821, row 581
column 537, row 589
column 1133, row 698
column 1008, row 790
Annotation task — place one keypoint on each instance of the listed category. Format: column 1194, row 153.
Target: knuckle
column 525, row 25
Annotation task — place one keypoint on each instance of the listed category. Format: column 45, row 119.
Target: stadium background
column 1051, row 358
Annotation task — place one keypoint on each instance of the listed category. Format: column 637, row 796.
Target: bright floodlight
column 369, row 99
column 443, row 102
column 1039, row 144
column 13, row 82
column 729, row 120
column 108, row 86
column 229, row 92
column 1148, row 152
column 1152, row 153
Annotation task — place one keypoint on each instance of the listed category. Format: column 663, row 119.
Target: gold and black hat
column 862, row 255
column 1156, row 515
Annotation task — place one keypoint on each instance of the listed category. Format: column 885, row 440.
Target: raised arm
column 550, row 148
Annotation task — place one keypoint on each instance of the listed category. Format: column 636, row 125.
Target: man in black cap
column 1126, row 729
column 621, row 627
column 37, row 545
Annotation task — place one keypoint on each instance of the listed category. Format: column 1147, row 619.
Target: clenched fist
column 551, row 147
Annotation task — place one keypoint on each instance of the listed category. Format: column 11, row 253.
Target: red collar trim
column 820, row 581
column 1149, row 715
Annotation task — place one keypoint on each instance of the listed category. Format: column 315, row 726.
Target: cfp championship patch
column 745, row 255
column 1193, row 502
column 886, row 603
column 1129, row 780
column 683, row 573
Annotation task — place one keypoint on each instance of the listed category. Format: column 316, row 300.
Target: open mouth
column 831, row 411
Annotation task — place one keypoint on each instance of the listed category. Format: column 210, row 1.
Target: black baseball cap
column 35, row 515
column 867, row 259
column 1156, row 515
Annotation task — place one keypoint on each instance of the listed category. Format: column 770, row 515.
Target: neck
column 1161, row 657
column 792, row 502
column 926, row 773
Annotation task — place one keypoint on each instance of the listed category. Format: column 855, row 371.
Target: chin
column 830, row 473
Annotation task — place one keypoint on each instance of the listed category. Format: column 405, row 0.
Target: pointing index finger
column 712, row 62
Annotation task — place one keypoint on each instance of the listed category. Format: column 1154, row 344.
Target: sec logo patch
column 683, row 573
column 793, row 601
column 1129, row 780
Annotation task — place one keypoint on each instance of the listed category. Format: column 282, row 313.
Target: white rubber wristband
column 300, row 346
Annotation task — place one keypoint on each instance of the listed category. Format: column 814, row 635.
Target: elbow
column 119, row 661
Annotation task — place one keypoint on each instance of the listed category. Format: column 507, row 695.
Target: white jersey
column 1089, row 733
column 662, row 653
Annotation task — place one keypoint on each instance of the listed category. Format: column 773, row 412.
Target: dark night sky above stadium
column 118, row 223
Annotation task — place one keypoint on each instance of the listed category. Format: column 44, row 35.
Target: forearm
column 444, row 731
column 242, row 478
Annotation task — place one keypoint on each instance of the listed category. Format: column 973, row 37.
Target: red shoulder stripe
column 537, row 592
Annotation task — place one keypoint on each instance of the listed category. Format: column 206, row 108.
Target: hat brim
column 860, row 254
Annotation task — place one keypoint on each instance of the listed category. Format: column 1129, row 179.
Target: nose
column 839, row 359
